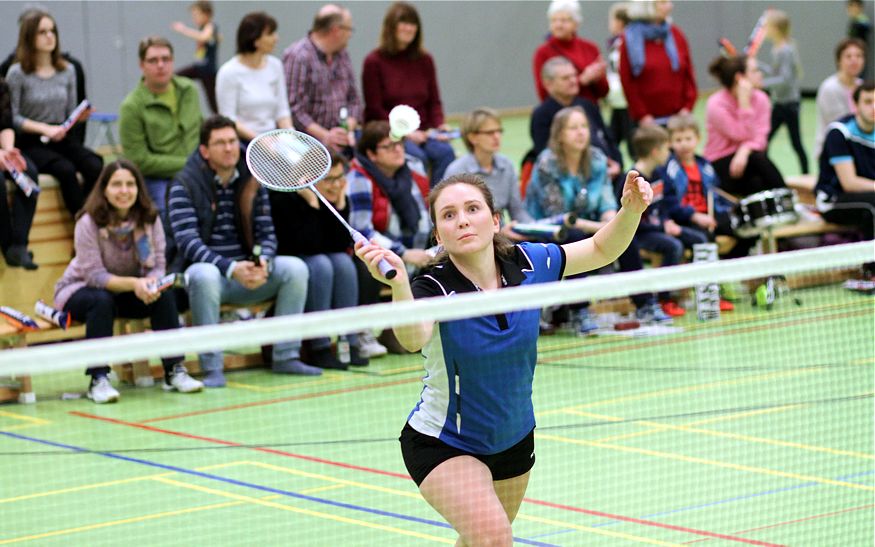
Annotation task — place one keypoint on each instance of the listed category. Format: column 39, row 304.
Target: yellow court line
column 31, row 421
column 591, row 530
column 703, row 461
column 298, row 472
column 327, row 378
column 318, row 489
column 308, row 512
column 82, row 487
column 659, row 426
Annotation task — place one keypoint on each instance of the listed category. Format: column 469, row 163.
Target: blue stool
column 105, row 121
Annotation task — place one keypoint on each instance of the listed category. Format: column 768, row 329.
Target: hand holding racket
column 286, row 160
column 79, row 113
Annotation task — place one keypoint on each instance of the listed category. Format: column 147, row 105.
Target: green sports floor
column 755, row 429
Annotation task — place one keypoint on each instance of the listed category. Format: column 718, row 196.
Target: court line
column 31, row 421
column 704, row 461
column 327, row 378
column 359, row 468
column 302, row 396
column 803, row 519
column 262, row 488
column 590, row 529
column 660, row 427
column 77, row 488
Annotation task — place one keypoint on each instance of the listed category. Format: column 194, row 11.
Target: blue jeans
column 333, row 285
column 158, row 192
column 208, row 289
column 437, row 154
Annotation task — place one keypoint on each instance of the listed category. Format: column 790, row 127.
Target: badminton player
column 469, row 442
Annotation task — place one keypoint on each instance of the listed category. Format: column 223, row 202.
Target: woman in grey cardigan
column 119, row 257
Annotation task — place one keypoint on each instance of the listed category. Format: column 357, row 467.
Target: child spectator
column 782, row 81
column 860, row 27
column 206, row 34
column 621, row 124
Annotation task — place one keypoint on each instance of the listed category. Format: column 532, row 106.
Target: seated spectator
column 558, row 75
column 322, row 93
column 218, row 215
column 845, row 189
column 400, row 71
column 481, row 132
column 834, row 94
column 307, row 229
column 206, row 34
column 860, row 27
column 657, row 232
column 589, row 67
column 159, row 120
column 655, row 64
column 738, row 118
column 251, row 86
column 15, row 223
column 387, row 191
column 119, row 256
column 570, row 176
column 691, row 183
column 43, row 88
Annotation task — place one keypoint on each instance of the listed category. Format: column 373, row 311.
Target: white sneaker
column 370, row 348
column 182, row 382
column 101, row 391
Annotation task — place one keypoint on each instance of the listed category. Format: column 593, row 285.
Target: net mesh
column 754, row 427
column 287, row 160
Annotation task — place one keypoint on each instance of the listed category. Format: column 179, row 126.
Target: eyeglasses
column 390, row 146
column 334, row 180
column 222, row 144
column 490, row 132
column 167, row 59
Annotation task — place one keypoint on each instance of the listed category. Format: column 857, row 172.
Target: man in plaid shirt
column 322, row 93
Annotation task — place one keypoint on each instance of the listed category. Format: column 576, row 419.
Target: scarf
column 125, row 235
column 639, row 32
column 397, row 188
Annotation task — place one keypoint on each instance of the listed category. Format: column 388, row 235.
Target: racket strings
column 287, row 161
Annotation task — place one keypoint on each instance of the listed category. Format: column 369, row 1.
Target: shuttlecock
column 403, row 120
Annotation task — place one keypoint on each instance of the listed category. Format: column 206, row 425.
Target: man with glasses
column 225, row 242
column 159, row 120
column 322, row 92
column 387, row 192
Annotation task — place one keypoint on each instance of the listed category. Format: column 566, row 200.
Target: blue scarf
column 639, row 32
column 397, row 188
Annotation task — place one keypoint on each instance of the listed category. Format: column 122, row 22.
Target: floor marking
column 80, row 488
column 327, row 378
column 704, row 461
column 591, row 530
column 31, row 421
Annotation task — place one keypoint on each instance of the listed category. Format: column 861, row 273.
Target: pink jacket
column 729, row 126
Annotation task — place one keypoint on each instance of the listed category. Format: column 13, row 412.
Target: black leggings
column 760, row 174
column 62, row 160
column 854, row 209
column 15, row 223
column 789, row 113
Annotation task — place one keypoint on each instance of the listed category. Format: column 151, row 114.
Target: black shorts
column 422, row 453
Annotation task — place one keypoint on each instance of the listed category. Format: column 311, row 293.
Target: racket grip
column 385, row 268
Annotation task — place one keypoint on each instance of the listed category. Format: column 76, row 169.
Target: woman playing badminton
column 469, row 442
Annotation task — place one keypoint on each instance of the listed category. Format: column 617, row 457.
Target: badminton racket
column 74, row 117
column 27, row 185
column 757, row 35
column 286, row 160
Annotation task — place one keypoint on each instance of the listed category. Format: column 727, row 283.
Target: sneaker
column 101, row 391
column 652, row 313
column 370, row 348
column 180, row 381
column 726, row 305
column 672, row 309
column 586, row 322
column 214, row 378
column 17, row 256
column 296, row 366
column 357, row 357
column 324, row 358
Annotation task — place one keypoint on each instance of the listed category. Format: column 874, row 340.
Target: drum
column 764, row 210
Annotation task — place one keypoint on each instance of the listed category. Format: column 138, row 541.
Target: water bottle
column 344, row 114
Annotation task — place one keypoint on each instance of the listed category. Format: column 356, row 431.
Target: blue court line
column 714, row 503
column 252, row 485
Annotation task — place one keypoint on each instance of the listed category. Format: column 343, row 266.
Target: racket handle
column 385, row 268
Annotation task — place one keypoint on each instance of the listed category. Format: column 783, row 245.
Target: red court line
column 406, row 477
column 793, row 521
column 281, row 400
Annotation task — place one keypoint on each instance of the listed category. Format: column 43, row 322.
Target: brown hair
column 150, row 41
column 250, row 29
column 25, row 52
column 474, row 120
column 504, row 247
column 560, row 120
column 683, row 122
column 372, row 133
column 338, row 159
column 620, row 12
column 780, row 20
column 204, row 6
column 648, row 138
column 400, row 12
column 324, row 22
column 725, row 69
column 142, row 212
column 845, row 44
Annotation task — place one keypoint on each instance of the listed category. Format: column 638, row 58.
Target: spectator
column 43, row 90
column 218, row 214
column 655, row 65
column 387, row 204
column 860, row 27
column 783, row 82
column 400, row 71
column 251, row 85
column 481, row 133
column 845, row 189
column 621, row 125
column 15, row 223
column 206, row 35
column 322, row 93
column 738, row 120
column 565, row 18
column 834, row 94
column 307, row 229
column 159, row 120
column 119, row 257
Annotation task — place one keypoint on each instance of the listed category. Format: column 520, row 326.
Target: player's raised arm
column 611, row 240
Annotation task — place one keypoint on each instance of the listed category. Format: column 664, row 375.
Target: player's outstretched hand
column 637, row 193
column 370, row 253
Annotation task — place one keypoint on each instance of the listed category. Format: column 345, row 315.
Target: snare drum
column 768, row 209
